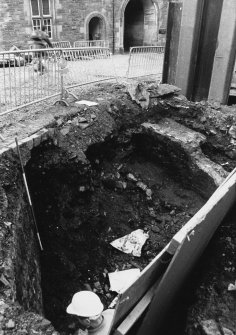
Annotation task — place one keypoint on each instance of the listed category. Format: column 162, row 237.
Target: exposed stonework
column 188, row 161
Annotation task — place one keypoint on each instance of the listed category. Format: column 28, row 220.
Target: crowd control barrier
column 91, row 43
column 145, row 61
column 61, row 44
column 29, row 76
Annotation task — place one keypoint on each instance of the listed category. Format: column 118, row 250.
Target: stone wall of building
column 70, row 21
column 75, row 15
column 13, row 24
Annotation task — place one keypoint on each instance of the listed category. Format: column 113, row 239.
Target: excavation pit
column 127, row 169
column 125, row 186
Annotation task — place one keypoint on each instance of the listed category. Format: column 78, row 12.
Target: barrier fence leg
column 62, row 99
column 128, row 70
column 64, row 92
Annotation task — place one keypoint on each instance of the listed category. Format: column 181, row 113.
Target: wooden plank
column 148, row 277
column 137, row 312
column 162, row 297
column 230, row 175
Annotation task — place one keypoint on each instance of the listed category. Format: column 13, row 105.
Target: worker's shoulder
column 106, row 324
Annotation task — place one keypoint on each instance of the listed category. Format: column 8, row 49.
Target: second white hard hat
column 85, row 304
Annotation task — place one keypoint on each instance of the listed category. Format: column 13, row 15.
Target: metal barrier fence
column 61, row 44
column 94, row 43
column 145, row 61
column 21, row 81
column 31, row 76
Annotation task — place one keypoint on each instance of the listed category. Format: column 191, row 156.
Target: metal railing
column 61, row 44
column 30, row 76
column 22, row 78
column 91, row 43
column 145, row 61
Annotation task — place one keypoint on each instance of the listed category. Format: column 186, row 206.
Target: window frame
column 41, row 17
column 49, row 7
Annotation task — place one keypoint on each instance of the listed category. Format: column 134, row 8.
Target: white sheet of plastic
column 120, row 280
column 131, row 243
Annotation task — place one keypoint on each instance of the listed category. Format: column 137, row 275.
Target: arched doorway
column 133, row 24
column 96, row 29
column 139, row 23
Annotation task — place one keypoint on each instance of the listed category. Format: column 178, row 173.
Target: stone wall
column 14, row 25
column 71, row 19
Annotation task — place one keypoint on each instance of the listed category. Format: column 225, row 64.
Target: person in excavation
column 88, row 308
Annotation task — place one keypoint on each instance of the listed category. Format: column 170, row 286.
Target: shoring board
column 230, row 175
column 136, row 312
column 191, row 245
column 131, row 296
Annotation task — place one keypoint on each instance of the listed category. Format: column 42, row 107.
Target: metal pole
column 28, row 195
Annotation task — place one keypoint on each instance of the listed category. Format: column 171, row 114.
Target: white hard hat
column 86, row 304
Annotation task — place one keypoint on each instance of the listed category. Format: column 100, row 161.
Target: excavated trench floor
column 81, row 209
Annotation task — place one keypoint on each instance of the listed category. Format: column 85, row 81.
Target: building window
column 41, row 15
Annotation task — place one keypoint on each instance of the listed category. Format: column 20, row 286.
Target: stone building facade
column 123, row 23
